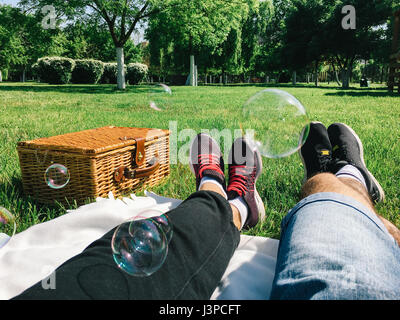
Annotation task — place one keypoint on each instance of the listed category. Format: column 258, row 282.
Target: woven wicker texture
column 91, row 162
column 94, row 141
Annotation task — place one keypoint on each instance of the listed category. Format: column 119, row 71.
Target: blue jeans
column 333, row 247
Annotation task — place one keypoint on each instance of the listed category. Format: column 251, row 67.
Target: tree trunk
column 191, row 73
column 24, row 75
column 337, row 78
column 294, row 78
column 1, row 77
column 121, row 70
column 345, row 78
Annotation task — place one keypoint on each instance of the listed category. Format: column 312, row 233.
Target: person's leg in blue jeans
column 333, row 243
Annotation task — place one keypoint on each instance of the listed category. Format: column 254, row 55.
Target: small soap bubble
column 7, row 226
column 57, row 176
column 278, row 120
column 140, row 247
column 160, row 97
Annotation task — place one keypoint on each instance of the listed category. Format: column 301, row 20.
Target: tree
column 23, row 40
column 12, row 50
column 316, row 31
column 122, row 17
column 345, row 46
column 304, row 44
column 91, row 40
column 195, row 25
column 269, row 57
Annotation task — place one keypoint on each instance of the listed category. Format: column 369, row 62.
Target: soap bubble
column 7, row 226
column 160, row 97
column 57, row 176
column 277, row 122
column 165, row 225
column 140, row 247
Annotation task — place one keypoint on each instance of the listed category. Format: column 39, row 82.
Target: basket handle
column 123, row 173
column 140, row 149
column 146, row 172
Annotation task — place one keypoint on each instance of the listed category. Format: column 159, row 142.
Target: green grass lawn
column 30, row 110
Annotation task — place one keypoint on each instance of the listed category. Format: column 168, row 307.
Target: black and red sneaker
column 245, row 166
column 348, row 149
column 316, row 153
column 206, row 159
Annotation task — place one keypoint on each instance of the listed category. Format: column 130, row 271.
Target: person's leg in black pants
column 203, row 242
column 205, row 235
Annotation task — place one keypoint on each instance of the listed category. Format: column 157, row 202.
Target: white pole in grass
column 191, row 74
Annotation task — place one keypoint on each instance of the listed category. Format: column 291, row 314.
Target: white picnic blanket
column 35, row 253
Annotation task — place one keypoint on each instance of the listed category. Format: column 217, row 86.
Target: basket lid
column 94, row 141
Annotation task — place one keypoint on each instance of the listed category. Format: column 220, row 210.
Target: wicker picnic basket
column 116, row 159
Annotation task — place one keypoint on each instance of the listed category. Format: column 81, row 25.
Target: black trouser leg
column 203, row 242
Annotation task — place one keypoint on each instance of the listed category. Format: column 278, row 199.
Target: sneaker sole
column 361, row 147
column 259, row 202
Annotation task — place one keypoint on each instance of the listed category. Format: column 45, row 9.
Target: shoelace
column 339, row 156
column 209, row 162
column 239, row 179
column 325, row 162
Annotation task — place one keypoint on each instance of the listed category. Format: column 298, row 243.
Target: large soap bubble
column 160, row 97
column 140, row 247
column 278, row 122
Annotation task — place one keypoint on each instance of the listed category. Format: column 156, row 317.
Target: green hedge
column 59, row 70
column 109, row 73
column 136, row 72
column 87, row 71
column 54, row 70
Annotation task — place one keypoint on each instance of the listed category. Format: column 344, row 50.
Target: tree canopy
column 246, row 38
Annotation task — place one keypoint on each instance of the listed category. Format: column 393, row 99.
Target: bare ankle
column 360, row 189
column 212, row 187
column 237, row 220
column 328, row 182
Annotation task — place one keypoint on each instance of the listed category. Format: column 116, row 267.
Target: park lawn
column 31, row 110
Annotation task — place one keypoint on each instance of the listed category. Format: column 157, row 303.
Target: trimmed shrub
column 54, row 70
column 136, row 72
column 109, row 73
column 87, row 71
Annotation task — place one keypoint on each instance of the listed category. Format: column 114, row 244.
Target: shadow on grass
column 272, row 85
column 112, row 89
column 72, row 88
column 364, row 93
column 322, row 86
